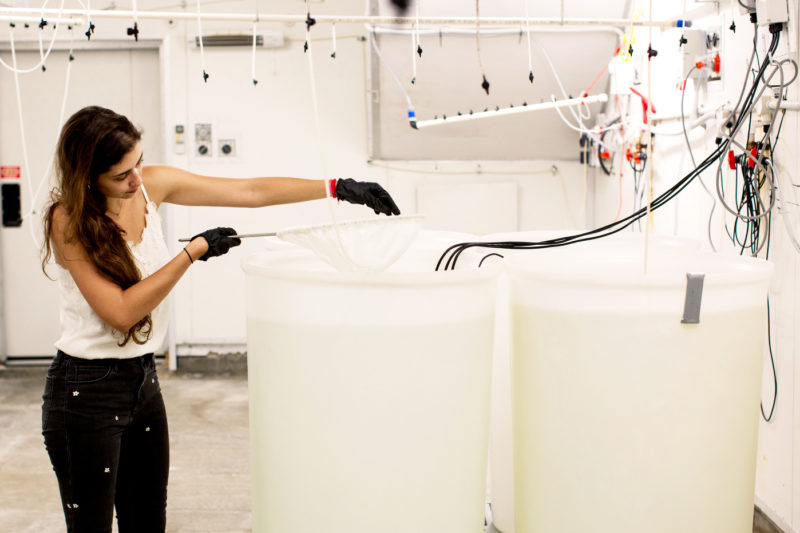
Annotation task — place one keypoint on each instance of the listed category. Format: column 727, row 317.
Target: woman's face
column 123, row 179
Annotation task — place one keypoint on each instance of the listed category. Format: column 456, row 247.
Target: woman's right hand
column 219, row 241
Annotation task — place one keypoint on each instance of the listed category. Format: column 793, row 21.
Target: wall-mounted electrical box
column 180, row 141
column 202, row 140
column 772, row 11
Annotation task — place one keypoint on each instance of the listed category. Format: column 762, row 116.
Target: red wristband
column 332, row 187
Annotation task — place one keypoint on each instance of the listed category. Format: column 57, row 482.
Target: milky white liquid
column 632, row 425
column 369, row 429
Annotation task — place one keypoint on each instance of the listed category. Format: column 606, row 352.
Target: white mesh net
column 369, row 245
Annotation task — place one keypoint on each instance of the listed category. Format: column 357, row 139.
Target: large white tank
column 626, row 419
column 369, row 395
column 501, row 463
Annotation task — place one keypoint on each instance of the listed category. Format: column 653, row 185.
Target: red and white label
column 10, row 172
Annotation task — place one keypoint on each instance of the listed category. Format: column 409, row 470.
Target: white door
column 126, row 81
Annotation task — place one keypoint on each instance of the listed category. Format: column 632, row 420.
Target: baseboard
column 770, row 513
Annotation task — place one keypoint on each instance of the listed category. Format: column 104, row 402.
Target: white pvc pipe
column 299, row 18
column 512, row 110
column 789, row 106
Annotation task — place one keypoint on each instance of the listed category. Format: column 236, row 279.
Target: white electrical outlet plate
column 227, row 148
column 202, row 140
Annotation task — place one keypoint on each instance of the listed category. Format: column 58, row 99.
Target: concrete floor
column 209, row 486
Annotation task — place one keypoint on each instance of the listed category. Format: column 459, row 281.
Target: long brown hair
column 91, row 142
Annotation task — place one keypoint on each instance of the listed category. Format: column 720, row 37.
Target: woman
column 103, row 417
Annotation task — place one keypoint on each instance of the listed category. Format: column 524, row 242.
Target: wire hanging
column 253, row 58
column 200, row 38
column 90, row 29
column 309, row 22
column 528, row 35
column 485, row 82
column 333, row 40
column 135, row 29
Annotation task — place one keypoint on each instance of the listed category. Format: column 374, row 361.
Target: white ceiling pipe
column 74, row 22
column 359, row 19
column 510, row 110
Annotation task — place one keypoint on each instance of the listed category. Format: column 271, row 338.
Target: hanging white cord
column 200, row 38
column 333, row 39
column 90, row 24
column 374, row 39
column 253, row 58
column 45, row 176
column 41, row 31
column 415, row 46
column 45, row 56
column 135, row 30
column 25, row 162
column 413, row 60
column 651, row 174
column 485, row 82
column 528, row 35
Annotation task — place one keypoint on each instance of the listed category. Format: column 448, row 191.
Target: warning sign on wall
column 9, row 172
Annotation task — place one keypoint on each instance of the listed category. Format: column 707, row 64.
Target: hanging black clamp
column 134, row 31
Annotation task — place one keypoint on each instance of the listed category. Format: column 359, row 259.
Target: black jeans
column 105, row 429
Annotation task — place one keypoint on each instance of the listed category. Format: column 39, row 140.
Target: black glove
column 366, row 193
column 219, row 241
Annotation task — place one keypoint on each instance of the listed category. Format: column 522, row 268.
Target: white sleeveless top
column 84, row 334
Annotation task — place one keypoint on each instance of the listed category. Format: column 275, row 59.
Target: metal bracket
column 694, row 296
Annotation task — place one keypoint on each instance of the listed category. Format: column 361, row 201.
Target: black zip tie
column 683, row 40
column 305, row 47
column 651, row 53
column 11, row 24
column 419, row 50
column 43, row 68
column 530, row 76
column 333, row 55
column 134, row 31
column 71, row 57
column 27, row 25
column 90, row 31
column 733, row 27
column 413, row 80
column 309, row 21
column 630, row 49
column 205, row 76
column 255, row 82
column 42, row 24
column 485, row 84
